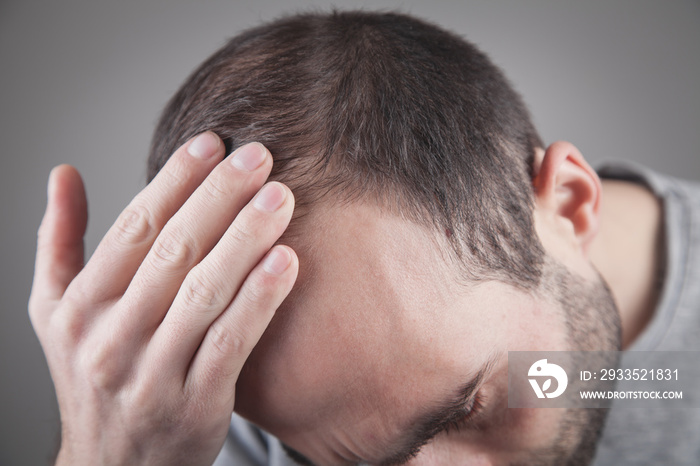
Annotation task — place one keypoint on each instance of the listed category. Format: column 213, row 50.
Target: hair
column 378, row 107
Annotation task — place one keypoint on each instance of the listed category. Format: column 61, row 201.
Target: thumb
column 60, row 252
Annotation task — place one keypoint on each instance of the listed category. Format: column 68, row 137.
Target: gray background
column 83, row 82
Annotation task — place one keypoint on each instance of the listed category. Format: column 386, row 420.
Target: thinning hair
column 379, row 107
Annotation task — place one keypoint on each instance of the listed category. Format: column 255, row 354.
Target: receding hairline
column 400, row 132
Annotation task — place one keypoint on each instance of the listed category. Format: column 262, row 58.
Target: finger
column 192, row 233
column 59, row 255
column 123, row 248
column 231, row 338
column 213, row 283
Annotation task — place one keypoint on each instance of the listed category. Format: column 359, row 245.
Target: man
column 432, row 232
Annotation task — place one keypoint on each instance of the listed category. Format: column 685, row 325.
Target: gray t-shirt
column 632, row 436
column 247, row 445
column 664, row 436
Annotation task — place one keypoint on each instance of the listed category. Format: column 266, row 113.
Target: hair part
column 380, row 107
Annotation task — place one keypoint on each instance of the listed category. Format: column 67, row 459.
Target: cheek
column 508, row 319
column 538, row 327
column 529, row 429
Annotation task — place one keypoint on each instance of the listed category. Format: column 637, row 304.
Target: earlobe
column 568, row 188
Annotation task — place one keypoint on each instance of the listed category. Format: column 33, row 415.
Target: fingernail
column 204, row 146
column 277, row 261
column 249, row 157
column 270, row 197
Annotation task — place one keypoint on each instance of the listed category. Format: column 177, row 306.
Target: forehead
column 367, row 269
column 373, row 328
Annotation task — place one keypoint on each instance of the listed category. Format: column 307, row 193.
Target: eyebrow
column 431, row 424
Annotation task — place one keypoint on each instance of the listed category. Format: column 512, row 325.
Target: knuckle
column 134, row 225
column 256, row 300
column 253, row 226
column 257, row 292
column 66, row 325
column 168, row 249
column 175, row 173
column 197, row 294
column 102, row 367
column 216, row 189
column 228, row 341
column 35, row 307
column 242, row 231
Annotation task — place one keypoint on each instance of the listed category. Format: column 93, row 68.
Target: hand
column 146, row 341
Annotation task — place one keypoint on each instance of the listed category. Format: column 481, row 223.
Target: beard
column 592, row 324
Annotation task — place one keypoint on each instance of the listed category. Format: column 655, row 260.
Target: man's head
column 426, row 249
column 381, row 108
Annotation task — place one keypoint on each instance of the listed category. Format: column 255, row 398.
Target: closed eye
column 466, row 419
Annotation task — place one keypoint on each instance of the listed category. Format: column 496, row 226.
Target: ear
column 568, row 188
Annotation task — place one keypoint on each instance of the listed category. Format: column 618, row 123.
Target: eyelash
column 466, row 420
